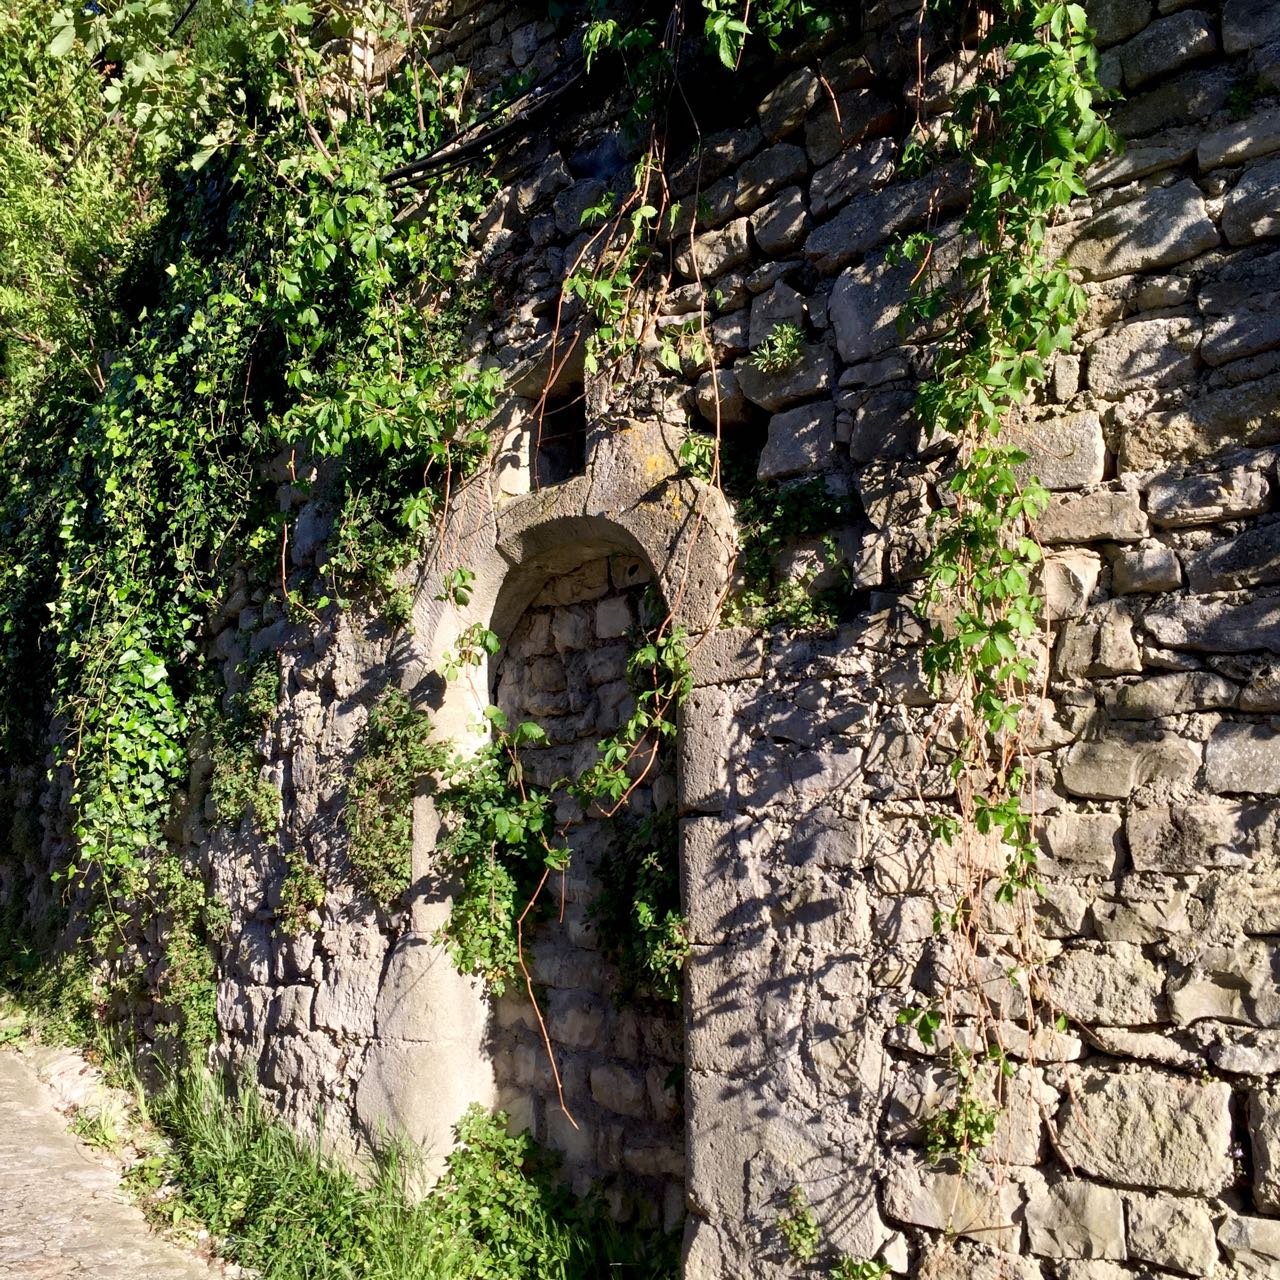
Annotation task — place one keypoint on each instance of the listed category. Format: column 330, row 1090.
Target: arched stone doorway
column 440, row 1042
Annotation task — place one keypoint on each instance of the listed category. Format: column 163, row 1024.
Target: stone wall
column 1142, row 1139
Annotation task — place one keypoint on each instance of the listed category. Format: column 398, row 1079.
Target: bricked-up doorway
column 618, row 1046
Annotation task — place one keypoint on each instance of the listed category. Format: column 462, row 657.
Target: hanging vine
column 1028, row 128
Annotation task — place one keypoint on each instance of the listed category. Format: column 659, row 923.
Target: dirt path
column 63, row 1214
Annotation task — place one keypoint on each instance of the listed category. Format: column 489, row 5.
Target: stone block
column 1064, row 452
column 851, row 173
column 1251, row 559
column 1116, row 20
column 856, row 114
column 1264, row 1134
column 1081, row 845
column 613, row 618
column 782, row 224
column 1167, row 44
column 1229, row 984
column 1259, row 135
column 1220, row 626
column 704, row 745
column 1247, row 24
column 1185, row 839
column 1206, row 499
column 1172, row 1232
column 1068, row 579
column 1100, row 644
column 884, row 427
column 1158, row 229
column 1149, row 567
column 1113, row 768
column 575, row 1019
column 865, row 304
column 1147, row 1129
column 713, row 252
column 718, row 154
column 1144, row 353
column 717, row 392
column 1072, row 1218
column 1103, row 516
column 1117, row 986
column 785, row 106
column 1181, row 99
column 800, row 442
column 812, row 375
column 1252, row 209
column 1243, row 757
column 619, row 1090
column 1171, row 694
column 1252, row 1245
column 975, row 1205
column 769, row 171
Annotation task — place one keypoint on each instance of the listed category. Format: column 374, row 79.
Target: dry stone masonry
column 1142, row 1138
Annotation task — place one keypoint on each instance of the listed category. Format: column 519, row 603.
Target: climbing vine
column 268, row 302
column 1027, row 128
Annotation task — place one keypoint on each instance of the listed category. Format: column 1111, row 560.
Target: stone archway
column 438, row 1044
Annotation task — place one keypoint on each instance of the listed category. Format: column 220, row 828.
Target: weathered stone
column 1093, row 517
column 1246, row 24
column 865, row 304
column 800, row 441
column 1065, row 452
column 1149, row 1130
column 1081, row 844
column 1244, row 415
column 1231, row 984
column 1101, row 644
column 1182, row 839
column 1144, row 353
column 972, row 1205
column 1243, row 757
column 703, row 750
column 1075, row 1219
column 784, row 107
column 1117, row 987
column 1156, row 230
column 1116, row 20
column 774, row 168
column 726, row 654
column 1113, row 768
column 782, row 224
column 1259, row 135
column 1252, row 209
column 1171, row 694
column 1068, row 579
column 778, row 305
column 619, row 1090
column 1253, row 1053
column 714, row 252
column 1166, row 45
column 1217, row 625
column 1264, row 1133
column 1249, row 560
column 1171, row 1232
column 718, row 154
column 875, row 218
column 1147, row 568
column 718, row 394
column 855, row 114
column 1185, row 98
column 884, row 426
column 851, row 173
column 811, row 375
column 1252, row 1245
column 1208, row 498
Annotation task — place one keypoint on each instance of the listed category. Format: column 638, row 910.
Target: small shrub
column 799, row 1227
column 780, row 350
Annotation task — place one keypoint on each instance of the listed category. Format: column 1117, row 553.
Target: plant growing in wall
column 1027, row 128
